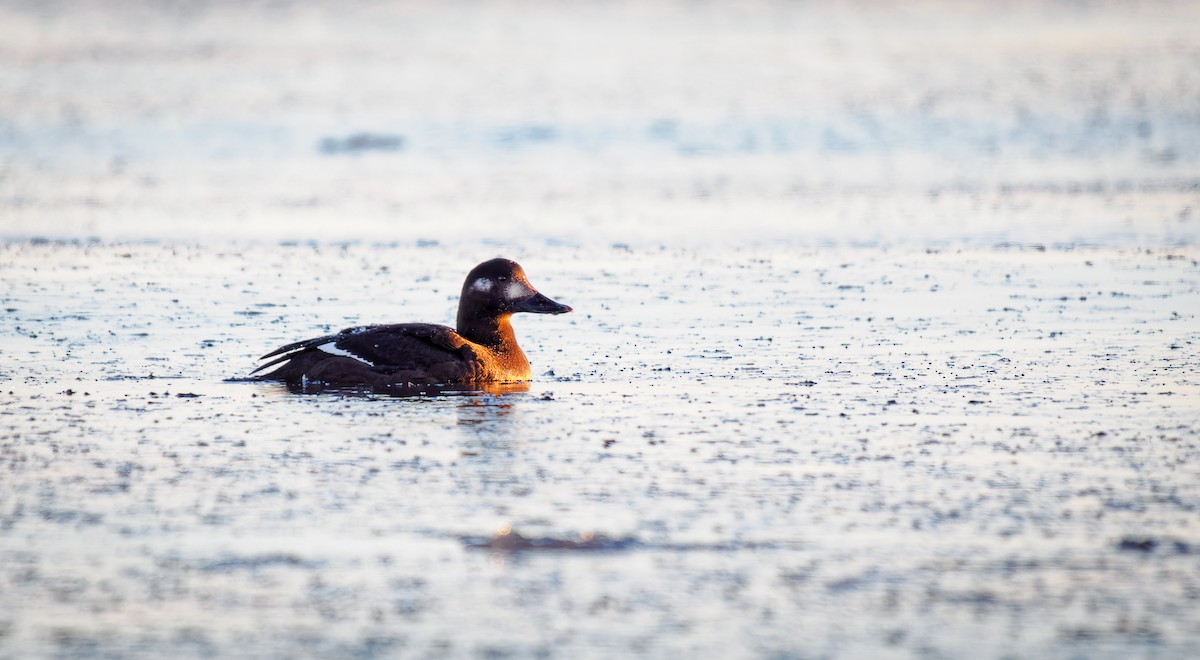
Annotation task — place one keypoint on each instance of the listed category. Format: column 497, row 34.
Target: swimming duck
column 483, row 349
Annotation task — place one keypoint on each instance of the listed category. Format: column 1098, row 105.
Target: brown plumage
column 483, row 349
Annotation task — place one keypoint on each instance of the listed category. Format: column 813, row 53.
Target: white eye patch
column 332, row 349
column 482, row 284
column 516, row 291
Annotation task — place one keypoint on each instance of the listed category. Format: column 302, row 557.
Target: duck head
column 497, row 289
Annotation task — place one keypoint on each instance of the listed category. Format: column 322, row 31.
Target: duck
column 481, row 349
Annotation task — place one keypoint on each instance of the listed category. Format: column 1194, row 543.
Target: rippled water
column 989, row 449
column 884, row 343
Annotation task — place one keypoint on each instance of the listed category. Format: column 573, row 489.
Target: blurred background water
column 609, row 121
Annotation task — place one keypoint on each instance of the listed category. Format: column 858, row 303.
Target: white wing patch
column 482, row 284
column 332, row 349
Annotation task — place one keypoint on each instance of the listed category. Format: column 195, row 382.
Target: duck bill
column 539, row 304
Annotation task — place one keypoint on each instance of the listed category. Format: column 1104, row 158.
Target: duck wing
column 401, row 347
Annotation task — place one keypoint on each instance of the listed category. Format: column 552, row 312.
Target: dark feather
column 390, row 348
column 300, row 345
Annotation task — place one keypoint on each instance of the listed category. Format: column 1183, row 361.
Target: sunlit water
column 884, row 343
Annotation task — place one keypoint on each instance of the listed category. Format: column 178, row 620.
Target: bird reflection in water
column 488, row 416
column 489, row 441
column 404, row 391
column 484, row 409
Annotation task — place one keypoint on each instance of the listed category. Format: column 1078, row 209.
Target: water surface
column 884, row 343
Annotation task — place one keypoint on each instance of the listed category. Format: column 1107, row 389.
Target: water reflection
column 489, row 439
column 408, row 390
column 486, row 416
